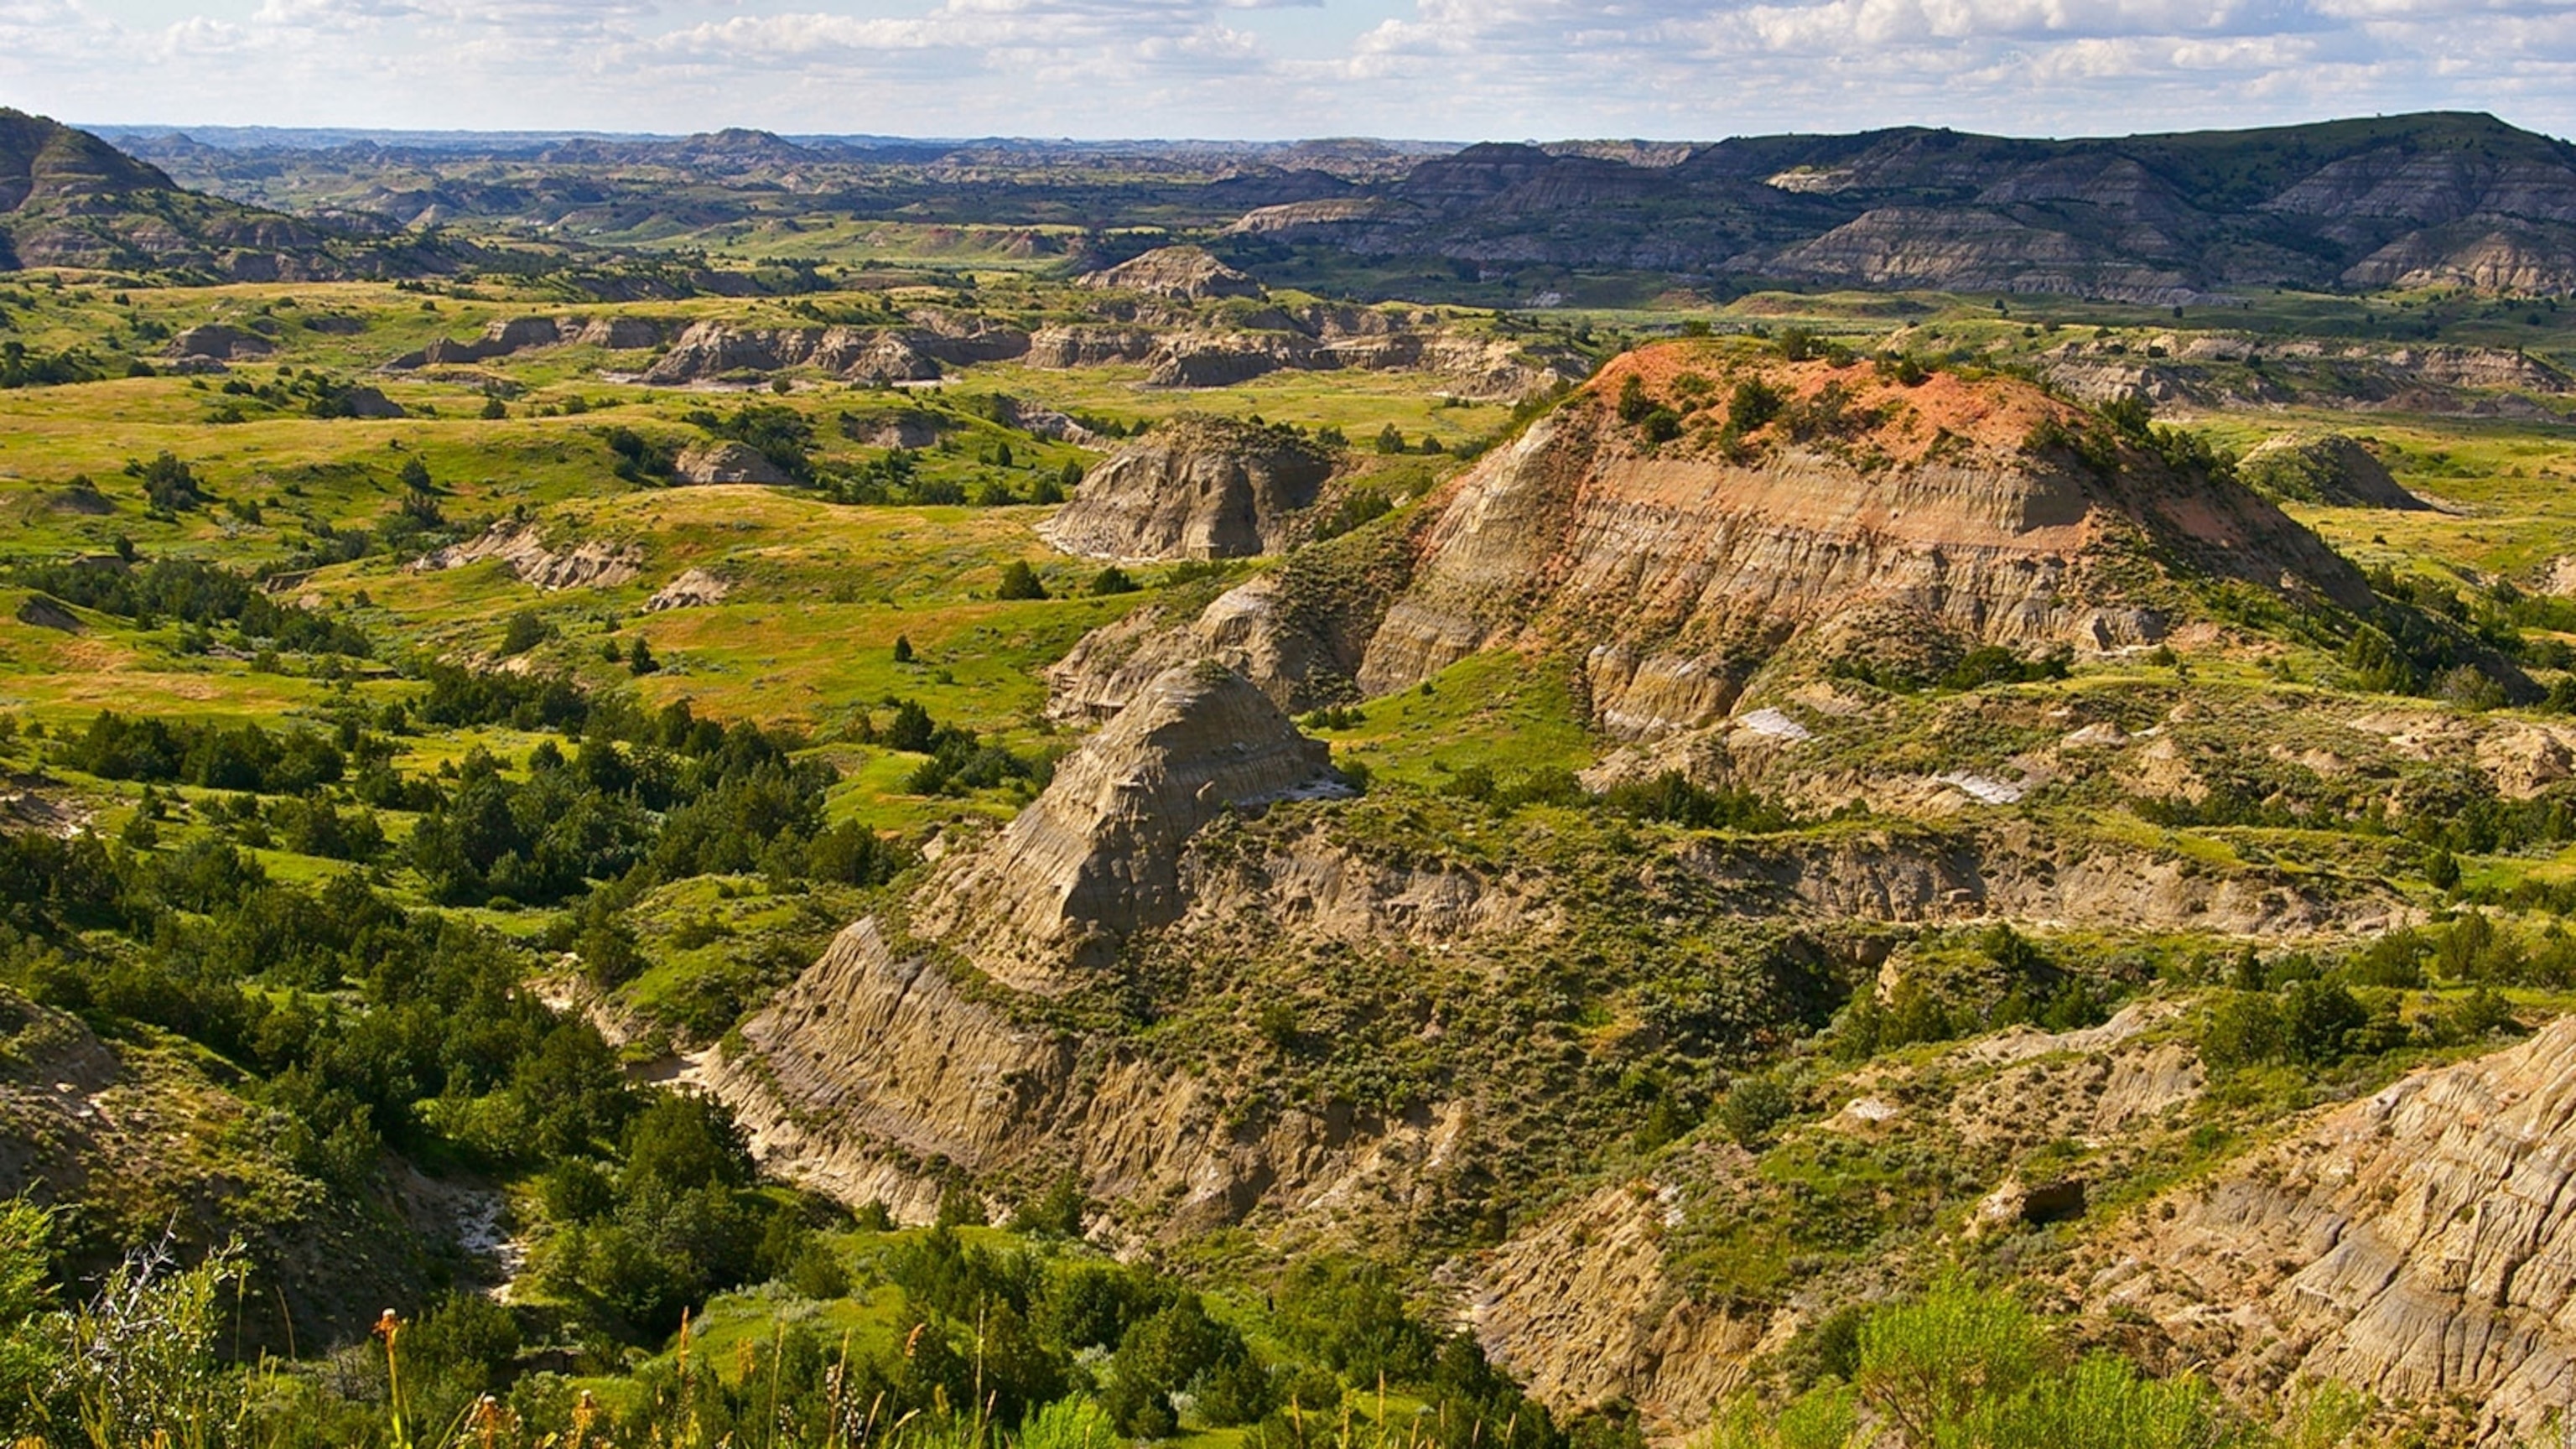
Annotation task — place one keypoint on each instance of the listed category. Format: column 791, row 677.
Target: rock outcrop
column 521, row 548
column 2489, row 253
column 1584, row 1309
column 1182, row 273
column 1095, row 858
column 219, row 343
column 1195, row 487
column 42, row 611
column 1242, row 628
column 693, row 589
column 727, row 462
column 2419, row 1245
column 2014, row 872
column 2327, row 468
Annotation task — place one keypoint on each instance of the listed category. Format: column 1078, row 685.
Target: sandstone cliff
column 1861, row 515
column 1195, row 487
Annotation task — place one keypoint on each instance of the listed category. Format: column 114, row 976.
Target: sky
column 1281, row 69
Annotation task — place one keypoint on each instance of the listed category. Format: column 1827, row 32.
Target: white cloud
column 1449, row 68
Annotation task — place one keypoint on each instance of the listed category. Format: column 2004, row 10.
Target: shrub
column 1751, row 1107
column 1935, row 1361
column 524, row 632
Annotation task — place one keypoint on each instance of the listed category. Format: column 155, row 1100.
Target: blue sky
column 1431, row 69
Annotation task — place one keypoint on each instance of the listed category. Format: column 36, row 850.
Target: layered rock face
column 1095, row 858
column 1110, row 666
column 1593, row 1303
column 69, row 199
column 2494, row 254
column 2433, row 199
column 873, row 1071
column 859, row 354
column 2419, row 1245
column 1195, row 488
column 1682, row 569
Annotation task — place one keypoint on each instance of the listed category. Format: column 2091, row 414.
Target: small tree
column 1019, row 581
column 902, row 649
column 639, row 658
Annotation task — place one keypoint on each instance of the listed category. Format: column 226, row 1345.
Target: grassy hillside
column 377, row 913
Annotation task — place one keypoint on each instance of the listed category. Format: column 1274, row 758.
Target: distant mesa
column 1181, row 273
column 2418, row 200
column 1196, row 488
column 43, row 161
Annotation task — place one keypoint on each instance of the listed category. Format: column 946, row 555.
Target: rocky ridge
column 69, row 199
column 504, row 337
column 1095, row 858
